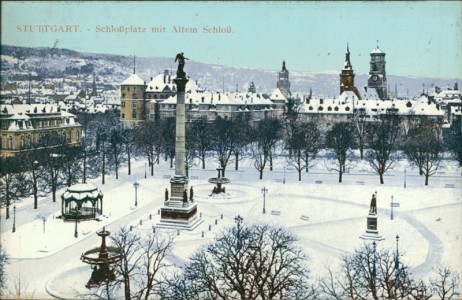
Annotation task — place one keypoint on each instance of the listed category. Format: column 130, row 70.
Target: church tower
column 347, row 77
column 94, row 92
column 132, row 100
column 377, row 75
column 283, row 83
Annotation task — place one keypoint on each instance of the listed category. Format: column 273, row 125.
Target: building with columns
column 22, row 126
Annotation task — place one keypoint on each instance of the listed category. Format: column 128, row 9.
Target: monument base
column 177, row 217
column 371, row 232
column 371, row 236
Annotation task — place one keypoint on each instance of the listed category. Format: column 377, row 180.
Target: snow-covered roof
column 277, row 95
column 81, row 191
column 165, row 83
column 376, row 50
column 134, row 79
column 215, row 98
column 347, row 102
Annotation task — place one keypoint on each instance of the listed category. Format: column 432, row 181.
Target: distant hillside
column 59, row 63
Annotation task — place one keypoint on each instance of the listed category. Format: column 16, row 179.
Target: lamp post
column 397, row 254
column 145, row 170
column 14, row 218
column 34, row 177
column 76, row 233
column 404, row 178
column 238, row 221
column 391, row 212
column 264, row 190
column 136, row 185
column 374, row 270
column 284, row 179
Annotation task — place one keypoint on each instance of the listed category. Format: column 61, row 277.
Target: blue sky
column 419, row 38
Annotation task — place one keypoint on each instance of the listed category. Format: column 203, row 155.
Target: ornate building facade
column 22, row 126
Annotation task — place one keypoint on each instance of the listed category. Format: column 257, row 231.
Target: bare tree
column 445, row 284
column 255, row 262
column 128, row 141
column 10, row 172
column 201, row 133
column 382, row 137
column 370, row 274
column 222, row 141
column 154, row 249
column 148, row 141
column 116, row 147
column 3, row 262
column 424, row 148
column 242, row 135
column 35, row 171
column 143, row 260
column 340, row 140
column 453, row 140
column 128, row 244
column 168, row 130
column 265, row 136
column 360, row 128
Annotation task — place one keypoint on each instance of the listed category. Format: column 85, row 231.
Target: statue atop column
column 181, row 61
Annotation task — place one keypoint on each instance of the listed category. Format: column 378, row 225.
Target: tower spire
column 347, row 58
column 134, row 64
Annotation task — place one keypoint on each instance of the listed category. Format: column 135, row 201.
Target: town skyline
column 422, row 38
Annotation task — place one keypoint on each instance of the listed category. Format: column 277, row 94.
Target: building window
column 69, row 136
column 123, row 116
column 134, row 114
column 77, row 136
column 10, row 143
column 133, row 105
column 123, row 95
column 134, row 96
column 21, row 142
column 123, row 104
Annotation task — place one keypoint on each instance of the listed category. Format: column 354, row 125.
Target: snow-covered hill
column 60, row 63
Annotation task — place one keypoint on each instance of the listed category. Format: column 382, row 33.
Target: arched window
column 10, row 142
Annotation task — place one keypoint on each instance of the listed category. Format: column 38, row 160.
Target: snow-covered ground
column 328, row 218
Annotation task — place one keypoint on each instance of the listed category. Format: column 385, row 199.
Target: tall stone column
column 179, row 183
column 180, row 211
column 180, row 139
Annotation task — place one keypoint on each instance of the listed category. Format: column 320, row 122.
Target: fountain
column 219, row 181
column 101, row 258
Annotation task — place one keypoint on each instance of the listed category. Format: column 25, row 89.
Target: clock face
column 375, row 78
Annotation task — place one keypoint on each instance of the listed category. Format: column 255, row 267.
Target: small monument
column 372, row 233
column 179, row 211
column 101, row 258
column 219, row 181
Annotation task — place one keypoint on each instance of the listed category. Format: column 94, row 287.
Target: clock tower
column 377, row 75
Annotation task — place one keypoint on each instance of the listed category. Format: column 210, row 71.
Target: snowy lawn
column 328, row 217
